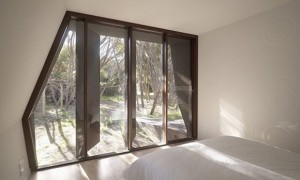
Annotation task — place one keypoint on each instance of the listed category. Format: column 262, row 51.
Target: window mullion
column 85, row 88
column 130, row 87
column 165, row 87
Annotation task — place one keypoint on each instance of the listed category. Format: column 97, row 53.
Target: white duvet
column 215, row 159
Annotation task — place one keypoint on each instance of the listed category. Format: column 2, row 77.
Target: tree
column 149, row 70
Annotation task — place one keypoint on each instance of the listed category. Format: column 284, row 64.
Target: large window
column 109, row 87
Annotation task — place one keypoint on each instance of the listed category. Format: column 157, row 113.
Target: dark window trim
column 128, row 24
column 50, row 61
column 165, row 88
column 194, row 53
column 130, row 88
column 37, row 91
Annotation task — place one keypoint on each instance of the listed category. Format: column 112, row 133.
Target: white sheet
column 218, row 158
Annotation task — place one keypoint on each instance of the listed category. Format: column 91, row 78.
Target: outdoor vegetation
column 55, row 113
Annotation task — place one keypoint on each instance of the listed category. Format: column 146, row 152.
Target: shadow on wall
column 271, row 117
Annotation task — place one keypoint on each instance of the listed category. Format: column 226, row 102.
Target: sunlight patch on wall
column 231, row 120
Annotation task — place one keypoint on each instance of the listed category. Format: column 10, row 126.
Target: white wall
column 26, row 35
column 249, row 79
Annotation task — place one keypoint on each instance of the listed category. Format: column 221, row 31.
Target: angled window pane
column 107, row 84
column 54, row 117
column 180, row 89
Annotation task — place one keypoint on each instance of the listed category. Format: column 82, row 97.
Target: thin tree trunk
column 54, row 98
column 141, row 77
column 154, row 102
column 44, row 101
column 146, row 86
column 51, row 84
column 61, row 96
column 137, row 103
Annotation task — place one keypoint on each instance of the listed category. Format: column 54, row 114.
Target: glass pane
column 107, row 84
column 149, row 83
column 54, row 117
column 180, row 89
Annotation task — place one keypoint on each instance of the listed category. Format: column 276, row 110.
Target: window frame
column 51, row 60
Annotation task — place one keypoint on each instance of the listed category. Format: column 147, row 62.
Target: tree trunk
column 154, row 102
column 137, row 103
column 140, row 76
column 44, row 101
column 61, row 96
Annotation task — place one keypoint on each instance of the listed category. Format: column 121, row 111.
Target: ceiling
column 190, row 16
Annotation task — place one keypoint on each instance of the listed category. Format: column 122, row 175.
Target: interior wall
column 249, row 79
column 26, row 35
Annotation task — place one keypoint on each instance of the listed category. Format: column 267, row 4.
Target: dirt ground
column 55, row 132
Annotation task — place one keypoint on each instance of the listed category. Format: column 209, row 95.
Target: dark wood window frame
column 50, row 61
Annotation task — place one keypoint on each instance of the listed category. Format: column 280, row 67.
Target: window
column 109, row 87
column 148, row 80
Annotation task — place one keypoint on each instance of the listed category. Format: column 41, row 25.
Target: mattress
column 217, row 158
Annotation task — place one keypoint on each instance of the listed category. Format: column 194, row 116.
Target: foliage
column 61, row 87
column 112, row 98
column 65, row 65
column 174, row 115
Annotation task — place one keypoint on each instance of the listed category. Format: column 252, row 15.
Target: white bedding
column 218, row 158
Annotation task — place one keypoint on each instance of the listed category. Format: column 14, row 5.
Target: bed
column 217, row 158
